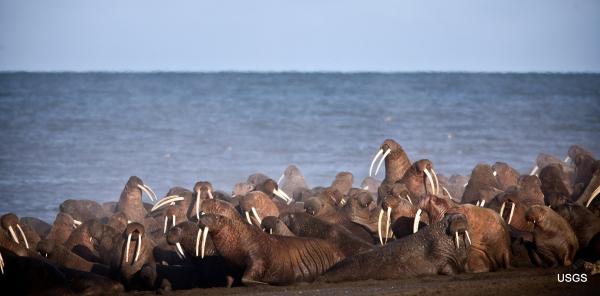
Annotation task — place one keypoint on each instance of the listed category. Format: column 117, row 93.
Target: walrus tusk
column 204, row 235
column 198, row 241
column 210, row 194
column 482, row 203
column 77, row 222
column 426, row 171
column 280, row 179
column 1, row 264
column 535, row 169
column 366, row 187
column 468, row 237
column 408, row 198
column 381, row 160
column 282, row 196
column 589, row 202
column 180, row 250
column 198, row 205
column 437, row 184
column 256, row 215
column 387, row 224
column 127, row 247
column 342, row 201
column 166, row 221
column 502, row 209
column 287, row 197
column 495, row 173
column 166, row 200
column 148, row 191
column 567, row 159
column 448, row 192
column 477, row 203
column 13, row 234
column 270, row 230
column 174, row 221
column 139, row 247
column 379, row 226
column 512, row 211
column 374, row 160
column 417, row 219
column 23, row 235
column 456, row 239
column 248, row 218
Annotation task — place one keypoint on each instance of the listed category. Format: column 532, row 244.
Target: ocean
column 81, row 135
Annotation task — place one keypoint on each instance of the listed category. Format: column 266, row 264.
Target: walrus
column 555, row 242
column 420, row 179
column 274, row 225
column 60, row 256
column 586, row 226
column 482, row 185
column 257, row 205
column 82, row 209
column 396, row 165
column 130, row 202
column 268, row 258
column 343, row 182
column 42, row 228
column 62, row 228
column 505, row 175
column 293, row 182
column 20, row 234
column 326, row 212
column 440, row 248
column 272, row 190
column 399, row 214
column 555, row 181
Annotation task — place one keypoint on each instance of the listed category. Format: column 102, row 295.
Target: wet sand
column 522, row 281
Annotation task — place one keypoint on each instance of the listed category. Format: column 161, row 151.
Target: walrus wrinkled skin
column 490, row 242
column 268, row 258
column 328, row 213
column 586, row 226
column 555, row 242
column 482, row 185
column 505, row 175
column 440, row 248
column 60, row 256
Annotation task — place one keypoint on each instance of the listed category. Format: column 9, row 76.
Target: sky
column 307, row 35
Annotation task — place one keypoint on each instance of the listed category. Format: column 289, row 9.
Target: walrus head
column 315, row 206
column 138, row 230
column 388, row 147
column 10, row 223
column 271, row 188
column 536, row 214
column 46, row 248
column 459, row 228
column 136, row 182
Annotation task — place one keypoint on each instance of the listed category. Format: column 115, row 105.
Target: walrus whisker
column 204, row 235
column 456, row 239
column 535, row 169
column 417, row 219
column 426, row 171
column 502, row 209
column 379, row 226
column 23, row 235
column 512, row 211
column 180, row 250
column 248, row 218
column 256, row 215
column 468, row 237
column 139, row 247
column 166, row 200
column 437, row 184
column 374, row 160
column 381, row 160
column 594, row 194
column 13, row 234
column 387, row 227
column 198, row 236
column 127, row 247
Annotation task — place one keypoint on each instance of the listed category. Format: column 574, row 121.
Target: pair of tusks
column 534, row 171
column 256, row 216
column 594, row 194
column 201, row 233
column 512, row 211
column 148, row 191
column 387, row 226
column 435, row 187
column 480, row 203
column 76, row 223
column 137, row 250
column 342, row 201
column 165, row 201
column 380, row 161
column 14, row 235
column 197, row 206
column 456, row 238
column 281, row 194
column 167, row 222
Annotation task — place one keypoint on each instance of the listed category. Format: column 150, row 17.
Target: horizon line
column 287, row 72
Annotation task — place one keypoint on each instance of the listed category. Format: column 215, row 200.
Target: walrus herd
column 413, row 222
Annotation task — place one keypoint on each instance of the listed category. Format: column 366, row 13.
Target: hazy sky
column 304, row 35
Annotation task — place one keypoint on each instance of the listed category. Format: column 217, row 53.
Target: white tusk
column 278, row 194
column 166, row 221
column 495, row 173
column 198, row 241
column 448, row 192
column 417, row 219
column 366, row 187
column 204, row 234
column 477, row 204
column 13, row 234
column 23, row 235
column 502, row 209
column 381, row 160
column 139, row 248
column 256, row 215
column 468, row 237
column 280, row 179
column 456, row 239
column 426, row 171
column 409, row 200
column 343, row 201
column 379, row 226
column 437, row 184
column 387, row 227
column 535, row 169
column 482, row 203
column 127, row 247
column 145, row 190
column 180, row 250
column 151, row 191
column 373, row 162
column 512, row 211
column 198, row 205
column 567, row 159
column 174, row 221
column 77, row 222
column 248, row 218
column 210, row 194
column 271, row 231
column 594, row 194
column 165, row 201
column 1, row 263
column 466, row 184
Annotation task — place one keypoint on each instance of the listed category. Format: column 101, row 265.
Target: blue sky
column 307, row 35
